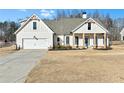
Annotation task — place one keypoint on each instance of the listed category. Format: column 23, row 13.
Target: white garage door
column 35, row 43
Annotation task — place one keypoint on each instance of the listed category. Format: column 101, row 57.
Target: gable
column 28, row 26
column 96, row 27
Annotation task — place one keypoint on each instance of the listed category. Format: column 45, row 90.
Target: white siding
column 63, row 39
column 71, row 40
column 122, row 37
column 107, row 41
column 42, row 31
column 94, row 29
column 100, row 42
column 91, row 42
column 80, row 40
column 122, row 34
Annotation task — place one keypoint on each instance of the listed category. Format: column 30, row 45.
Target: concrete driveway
column 16, row 66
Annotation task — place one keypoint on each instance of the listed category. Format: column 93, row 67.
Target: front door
column 76, row 41
column 86, row 42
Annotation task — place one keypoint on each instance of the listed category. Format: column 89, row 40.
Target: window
column 76, row 40
column 58, row 39
column 67, row 40
column 34, row 25
column 89, row 26
column 123, row 37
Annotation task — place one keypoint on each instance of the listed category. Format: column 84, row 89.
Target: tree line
column 7, row 29
column 114, row 26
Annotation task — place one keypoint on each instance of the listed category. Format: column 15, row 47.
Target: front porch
column 91, row 40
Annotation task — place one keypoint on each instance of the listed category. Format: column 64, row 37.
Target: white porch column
column 94, row 40
column 73, row 36
column 83, row 39
column 105, row 40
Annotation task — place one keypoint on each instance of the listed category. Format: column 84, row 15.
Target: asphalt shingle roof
column 64, row 25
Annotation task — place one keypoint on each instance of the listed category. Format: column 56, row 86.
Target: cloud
column 48, row 14
column 22, row 10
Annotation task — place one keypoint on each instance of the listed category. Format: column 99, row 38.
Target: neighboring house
column 75, row 32
column 122, row 34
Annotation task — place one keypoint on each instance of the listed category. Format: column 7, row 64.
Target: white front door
column 35, row 43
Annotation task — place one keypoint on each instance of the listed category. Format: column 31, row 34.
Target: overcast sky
column 15, row 14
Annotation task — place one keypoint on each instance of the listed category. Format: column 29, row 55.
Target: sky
column 16, row 14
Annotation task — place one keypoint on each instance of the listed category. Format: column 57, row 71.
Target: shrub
column 61, row 47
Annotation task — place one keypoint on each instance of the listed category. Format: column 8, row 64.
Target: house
column 76, row 32
column 122, row 34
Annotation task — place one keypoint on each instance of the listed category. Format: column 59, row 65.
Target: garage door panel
column 35, row 43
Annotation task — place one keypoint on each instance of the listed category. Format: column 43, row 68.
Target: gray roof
column 66, row 25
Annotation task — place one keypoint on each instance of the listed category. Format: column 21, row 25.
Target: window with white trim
column 67, row 40
column 89, row 26
column 34, row 25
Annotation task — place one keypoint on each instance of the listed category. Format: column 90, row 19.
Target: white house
column 76, row 32
column 122, row 34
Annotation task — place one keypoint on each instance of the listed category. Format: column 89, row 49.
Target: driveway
column 16, row 66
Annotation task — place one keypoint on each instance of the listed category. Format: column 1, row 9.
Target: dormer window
column 34, row 25
column 89, row 26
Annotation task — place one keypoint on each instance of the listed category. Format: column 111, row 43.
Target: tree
column 96, row 14
column 108, row 21
column 7, row 30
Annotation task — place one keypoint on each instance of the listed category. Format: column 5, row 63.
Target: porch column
column 73, row 36
column 105, row 40
column 94, row 40
column 83, row 37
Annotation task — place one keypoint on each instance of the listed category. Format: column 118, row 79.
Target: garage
column 39, row 43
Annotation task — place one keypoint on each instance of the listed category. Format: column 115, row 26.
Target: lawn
column 80, row 66
column 7, row 50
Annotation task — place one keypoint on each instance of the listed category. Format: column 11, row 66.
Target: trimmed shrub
column 61, row 47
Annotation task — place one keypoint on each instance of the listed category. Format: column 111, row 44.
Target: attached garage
column 32, row 43
column 33, row 33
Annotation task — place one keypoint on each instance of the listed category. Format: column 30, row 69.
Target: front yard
column 80, row 66
column 7, row 50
